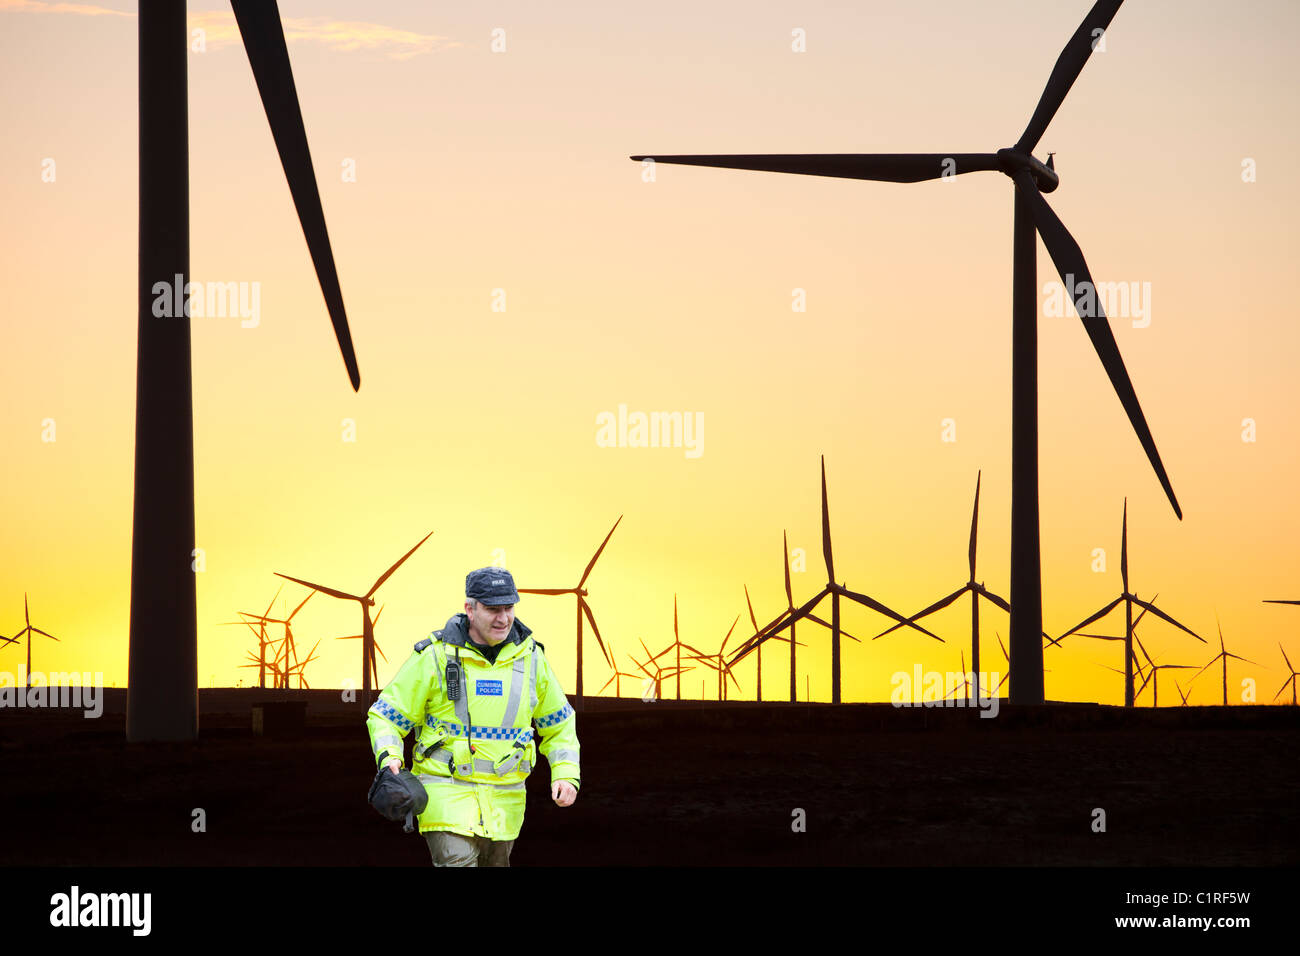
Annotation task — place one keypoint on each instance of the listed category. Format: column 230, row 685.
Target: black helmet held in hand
column 398, row 796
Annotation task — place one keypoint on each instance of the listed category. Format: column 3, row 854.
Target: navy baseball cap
column 492, row 586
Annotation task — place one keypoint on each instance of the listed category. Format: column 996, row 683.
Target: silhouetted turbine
column 1033, row 217
column 1222, row 655
column 262, row 640
column 758, row 694
column 616, row 679
column 583, row 608
column 29, row 630
column 835, row 591
column 977, row 590
column 367, row 601
column 718, row 662
column 1129, row 600
column 660, row 673
column 162, row 695
column 1153, row 675
column 374, row 667
column 287, row 648
column 1290, row 680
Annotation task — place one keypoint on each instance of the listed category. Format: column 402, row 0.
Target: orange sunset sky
column 479, row 170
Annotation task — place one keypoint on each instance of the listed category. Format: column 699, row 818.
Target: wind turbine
column 1222, row 655
column 965, row 681
column 374, row 666
column 583, row 608
column 1290, row 680
column 660, row 672
column 976, row 589
column 162, row 695
column 1153, row 676
column 1129, row 600
column 1032, row 217
column 367, row 601
column 1137, row 663
column 616, row 680
column 790, row 610
column 262, row 639
column 29, row 630
column 758, row 673
column 718, row 662
column 833, row 590
column 287, row 647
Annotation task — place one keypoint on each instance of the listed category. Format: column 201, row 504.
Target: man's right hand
column 395, row 765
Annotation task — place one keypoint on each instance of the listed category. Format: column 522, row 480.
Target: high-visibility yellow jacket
column 478, row 791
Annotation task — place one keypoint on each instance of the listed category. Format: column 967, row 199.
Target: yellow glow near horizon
column 478, row 171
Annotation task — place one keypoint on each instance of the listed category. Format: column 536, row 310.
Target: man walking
column 474, row 690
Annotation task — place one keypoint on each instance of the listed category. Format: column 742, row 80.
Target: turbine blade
column 387, row 574
column 592, row 563
column 263, row 36
column 1070, row 264
column 1003, row 603
column 595, row 630
column 1165, row 617
column 881, row 167
column 750, row 604
column 936, row 606
column 544, row 590
column 974, row 524
column 785, row 559
column 320, row 587
column 1095, row 617
column 1068, row 67
column 826, row 530
column 877, row 606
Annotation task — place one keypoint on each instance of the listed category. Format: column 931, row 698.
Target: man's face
column 489, row 624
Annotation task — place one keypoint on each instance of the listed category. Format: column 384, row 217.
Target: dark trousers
column 453, row 849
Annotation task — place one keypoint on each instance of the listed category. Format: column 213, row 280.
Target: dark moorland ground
column 669, row 783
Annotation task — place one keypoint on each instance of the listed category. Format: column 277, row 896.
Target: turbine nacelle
column 1011, row 161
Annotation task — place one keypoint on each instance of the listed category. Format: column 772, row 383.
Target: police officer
column 474, row 691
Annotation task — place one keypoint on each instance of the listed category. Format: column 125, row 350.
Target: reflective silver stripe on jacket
column 532, row 679
column 389, row 742
column 439, row 778
column 516, row 690
column 562, row 756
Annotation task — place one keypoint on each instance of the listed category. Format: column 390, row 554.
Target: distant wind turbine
column 29, row 630
column 1222, row 655
column 367, row 601
column 834, row 591
column 1290, row 680
column 1033, row 217
column 1129, row 600
column 976, row 589
column 718, row 662
column 162, row 694
column 580, row 593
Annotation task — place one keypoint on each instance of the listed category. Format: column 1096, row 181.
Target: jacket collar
column 456, row 631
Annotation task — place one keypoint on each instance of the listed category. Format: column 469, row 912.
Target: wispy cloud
column 347, row 36
column 82, row 9
column 220, row 30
